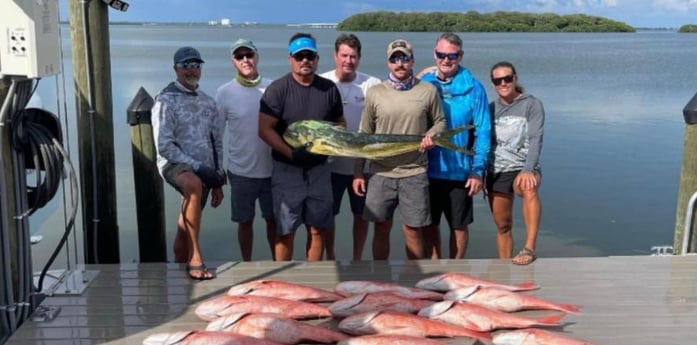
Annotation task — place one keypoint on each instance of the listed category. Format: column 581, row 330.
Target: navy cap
column 187, row 53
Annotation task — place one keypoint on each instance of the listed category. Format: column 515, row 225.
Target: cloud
column 676, row 5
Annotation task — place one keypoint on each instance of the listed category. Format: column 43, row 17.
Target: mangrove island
column 473, row 21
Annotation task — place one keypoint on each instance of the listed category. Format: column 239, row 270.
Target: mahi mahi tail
column 442, row 139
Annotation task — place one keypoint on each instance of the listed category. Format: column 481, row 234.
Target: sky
column 637, row 13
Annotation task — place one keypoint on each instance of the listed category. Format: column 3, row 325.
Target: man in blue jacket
column 455, row 177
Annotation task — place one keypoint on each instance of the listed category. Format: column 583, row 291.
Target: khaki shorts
column 410, row 193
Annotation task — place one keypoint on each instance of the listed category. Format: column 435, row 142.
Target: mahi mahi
column 322, row 137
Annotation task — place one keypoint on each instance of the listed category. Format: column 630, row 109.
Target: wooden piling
column 149, row 191
column 89, row 36
column 688, row 179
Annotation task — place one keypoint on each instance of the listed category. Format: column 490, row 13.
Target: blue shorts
column 340, row 183
column 410, row 193
column 244, row 192
column 301, row 196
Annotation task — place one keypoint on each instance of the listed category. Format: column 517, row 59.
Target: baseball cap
column 186, row 54
column 302, row 43
column 399, row 46
column 243, row 42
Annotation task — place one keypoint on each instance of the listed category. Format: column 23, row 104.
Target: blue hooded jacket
column 464, row 103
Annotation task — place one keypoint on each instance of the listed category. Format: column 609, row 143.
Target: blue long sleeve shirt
column 465, row 103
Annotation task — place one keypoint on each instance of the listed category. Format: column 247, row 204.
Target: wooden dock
column 628, row 300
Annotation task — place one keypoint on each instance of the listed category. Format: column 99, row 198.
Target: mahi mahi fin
column 442, row 139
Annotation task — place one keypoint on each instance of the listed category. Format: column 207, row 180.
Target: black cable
column 37, row 135
column 34, row 139
column 74, row 190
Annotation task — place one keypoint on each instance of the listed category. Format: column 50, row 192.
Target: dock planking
column 625, row 300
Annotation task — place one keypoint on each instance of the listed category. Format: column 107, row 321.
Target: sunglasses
column 449, row 56
column 508, row 79
column 310, row 56
column 248, row 55
column 189, row 65
column 403, row 58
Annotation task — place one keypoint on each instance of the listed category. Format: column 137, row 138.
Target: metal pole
column 8, row 250
column 688, row 224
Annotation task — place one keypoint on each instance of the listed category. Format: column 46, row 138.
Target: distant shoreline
column 267, row 25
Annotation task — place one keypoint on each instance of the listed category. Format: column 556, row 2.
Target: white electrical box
column 29, row 38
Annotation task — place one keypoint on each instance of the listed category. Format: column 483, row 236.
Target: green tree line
column 473, row 21
column 688, row 28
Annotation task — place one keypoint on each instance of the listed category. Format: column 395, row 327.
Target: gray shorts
column 301, row 196
column 410, row 193
column 244, row 192
column 172, row 170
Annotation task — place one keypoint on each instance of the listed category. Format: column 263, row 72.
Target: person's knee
column 504, row 226
column 527, row 193
column 190, row 184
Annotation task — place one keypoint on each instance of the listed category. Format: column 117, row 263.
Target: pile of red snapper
column 373, row 313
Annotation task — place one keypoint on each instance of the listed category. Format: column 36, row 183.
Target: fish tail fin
column 570, row 308
column 442, row 139
column 526, row 286
column 551, row 320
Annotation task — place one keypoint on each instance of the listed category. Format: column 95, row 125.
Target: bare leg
column 502, row 211
column 414, row 242
column 360, row 234
column 329, row 243
column 381, row 240
column 271, row 235
column 458, row 243
column 532, row 211
column 316, row 244
column 181, row 240
column 283, row 247
column 190, row 218
column 432, row 242
column 308, row 240
column 245, row 238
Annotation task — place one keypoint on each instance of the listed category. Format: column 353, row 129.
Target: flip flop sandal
column 524, row 257
column 205, row 274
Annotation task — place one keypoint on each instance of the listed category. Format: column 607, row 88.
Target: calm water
column 612, row 146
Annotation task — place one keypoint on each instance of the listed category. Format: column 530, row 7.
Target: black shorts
column 501, row 182
column 452, row 199
column 341, row 183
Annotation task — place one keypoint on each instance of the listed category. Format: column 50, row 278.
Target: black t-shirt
column 289, row 101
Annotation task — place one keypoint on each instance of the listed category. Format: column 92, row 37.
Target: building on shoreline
column 314, row 25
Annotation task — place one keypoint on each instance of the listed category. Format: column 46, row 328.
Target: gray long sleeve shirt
column 517, row 135
column 183, row 124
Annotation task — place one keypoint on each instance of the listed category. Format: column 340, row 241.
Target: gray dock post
column 148, row 184
column 688, row 179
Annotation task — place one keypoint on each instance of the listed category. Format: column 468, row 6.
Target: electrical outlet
column 29, row 38
column 18, row 42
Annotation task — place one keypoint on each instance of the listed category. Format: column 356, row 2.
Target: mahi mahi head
column 327, row 138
